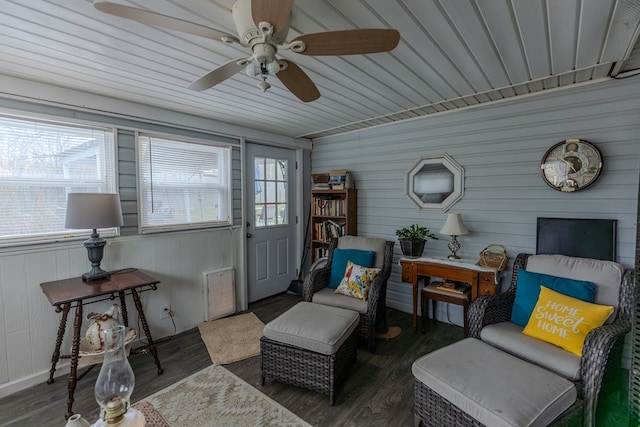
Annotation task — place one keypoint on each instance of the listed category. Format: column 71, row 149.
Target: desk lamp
column 454, row 227
column 93, row 211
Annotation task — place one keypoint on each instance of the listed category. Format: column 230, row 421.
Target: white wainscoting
column 28, row 323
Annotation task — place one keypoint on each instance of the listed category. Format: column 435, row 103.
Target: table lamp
column 454, row 227
column 93, row 211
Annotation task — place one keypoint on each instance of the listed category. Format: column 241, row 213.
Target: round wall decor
column 571, row 165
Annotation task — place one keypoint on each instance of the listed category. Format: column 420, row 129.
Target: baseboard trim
column 6, row 389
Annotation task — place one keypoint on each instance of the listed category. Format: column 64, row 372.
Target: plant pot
column 412, row 248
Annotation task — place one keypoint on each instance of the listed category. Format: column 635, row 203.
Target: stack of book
column 454, row 287
column 320, row 181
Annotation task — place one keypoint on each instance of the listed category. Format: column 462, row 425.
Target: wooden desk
column 483, row 281
column 67, row 293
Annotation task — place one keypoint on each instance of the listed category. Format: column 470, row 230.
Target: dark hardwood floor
column 377, row 392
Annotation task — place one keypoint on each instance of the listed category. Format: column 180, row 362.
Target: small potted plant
column 412, row 240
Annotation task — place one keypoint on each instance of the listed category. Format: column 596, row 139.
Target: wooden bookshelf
column 333, row 213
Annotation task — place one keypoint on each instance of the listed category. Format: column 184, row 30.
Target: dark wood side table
column 482, row 280
column 432, row 292
column 67, row 293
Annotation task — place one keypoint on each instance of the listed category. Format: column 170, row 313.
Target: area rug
column 232, row 338
column 216, row 397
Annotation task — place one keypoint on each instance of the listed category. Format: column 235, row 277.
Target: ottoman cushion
column 315, row 327
column 494, row 387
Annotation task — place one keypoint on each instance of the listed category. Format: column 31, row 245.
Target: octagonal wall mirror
column 435, row 183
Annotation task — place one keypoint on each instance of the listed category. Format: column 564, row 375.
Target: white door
column 271, row 220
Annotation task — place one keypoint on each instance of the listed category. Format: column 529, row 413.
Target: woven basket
column 494, row 257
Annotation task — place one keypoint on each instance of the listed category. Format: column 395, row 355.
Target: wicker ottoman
column 470, row 383
column 310, row 346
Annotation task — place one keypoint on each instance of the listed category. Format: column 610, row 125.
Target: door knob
column 248, row 235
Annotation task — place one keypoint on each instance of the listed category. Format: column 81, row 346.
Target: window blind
column 40, row 163
column 182, row 184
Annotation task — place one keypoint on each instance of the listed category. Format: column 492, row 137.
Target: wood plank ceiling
column 452, row 54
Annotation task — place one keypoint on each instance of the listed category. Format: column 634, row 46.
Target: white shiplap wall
column 29, row 323
column 499, row 146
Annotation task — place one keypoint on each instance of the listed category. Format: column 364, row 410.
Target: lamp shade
column 454, row 226
column 93, row 210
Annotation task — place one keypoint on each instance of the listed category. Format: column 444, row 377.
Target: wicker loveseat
column 373, row 310
column 490, row 327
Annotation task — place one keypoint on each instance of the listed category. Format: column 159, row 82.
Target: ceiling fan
column 262, row 26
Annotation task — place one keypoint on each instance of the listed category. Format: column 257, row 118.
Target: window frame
column 108, row 183
column 428, row 167
column 228, row 191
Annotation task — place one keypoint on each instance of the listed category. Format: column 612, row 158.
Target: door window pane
column 271, row 200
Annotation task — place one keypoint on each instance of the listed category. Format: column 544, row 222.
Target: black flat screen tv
column 579, row 237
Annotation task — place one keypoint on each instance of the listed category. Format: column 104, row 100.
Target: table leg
column 434, row 310
column 145, row 326
column 123, row 309
column 56, row 352
column 423, row 311
column 465, row 308
column 75, row 349
column 415, row 303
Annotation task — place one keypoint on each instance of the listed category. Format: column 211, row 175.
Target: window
column 271, row 191
column 40, row 163
column 435, row 183
column 182, row 184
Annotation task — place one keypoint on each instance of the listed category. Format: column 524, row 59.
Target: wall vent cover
column 220, row 293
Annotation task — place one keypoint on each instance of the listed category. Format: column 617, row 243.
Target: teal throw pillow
column 340, row 259
column 528, row 291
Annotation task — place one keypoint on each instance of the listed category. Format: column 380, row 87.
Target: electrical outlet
column 165, row 311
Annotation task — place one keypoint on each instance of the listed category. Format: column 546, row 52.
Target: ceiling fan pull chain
column 264, row 73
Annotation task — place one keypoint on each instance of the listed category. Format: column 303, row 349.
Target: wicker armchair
column 373, row 311
column 600, row 344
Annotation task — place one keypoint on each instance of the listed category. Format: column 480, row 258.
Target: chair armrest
column 488, row 309
column 595, row 355
column 374, row 295
column 316, row 280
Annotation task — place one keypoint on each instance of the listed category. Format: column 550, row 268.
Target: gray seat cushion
column 494, row 387
column 508, row 336
column 315, row 327
column 326, row 296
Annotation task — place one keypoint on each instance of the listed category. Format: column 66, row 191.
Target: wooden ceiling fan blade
column 349, row 42
column 158, row 20
column 298, row 82
column 276, row 12
column 219, row 75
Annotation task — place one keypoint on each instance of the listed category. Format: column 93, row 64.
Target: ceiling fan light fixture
column 252, row 69
column 273, row 67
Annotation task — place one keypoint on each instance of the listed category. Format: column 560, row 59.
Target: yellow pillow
column 357, row 281
column 564, row 321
